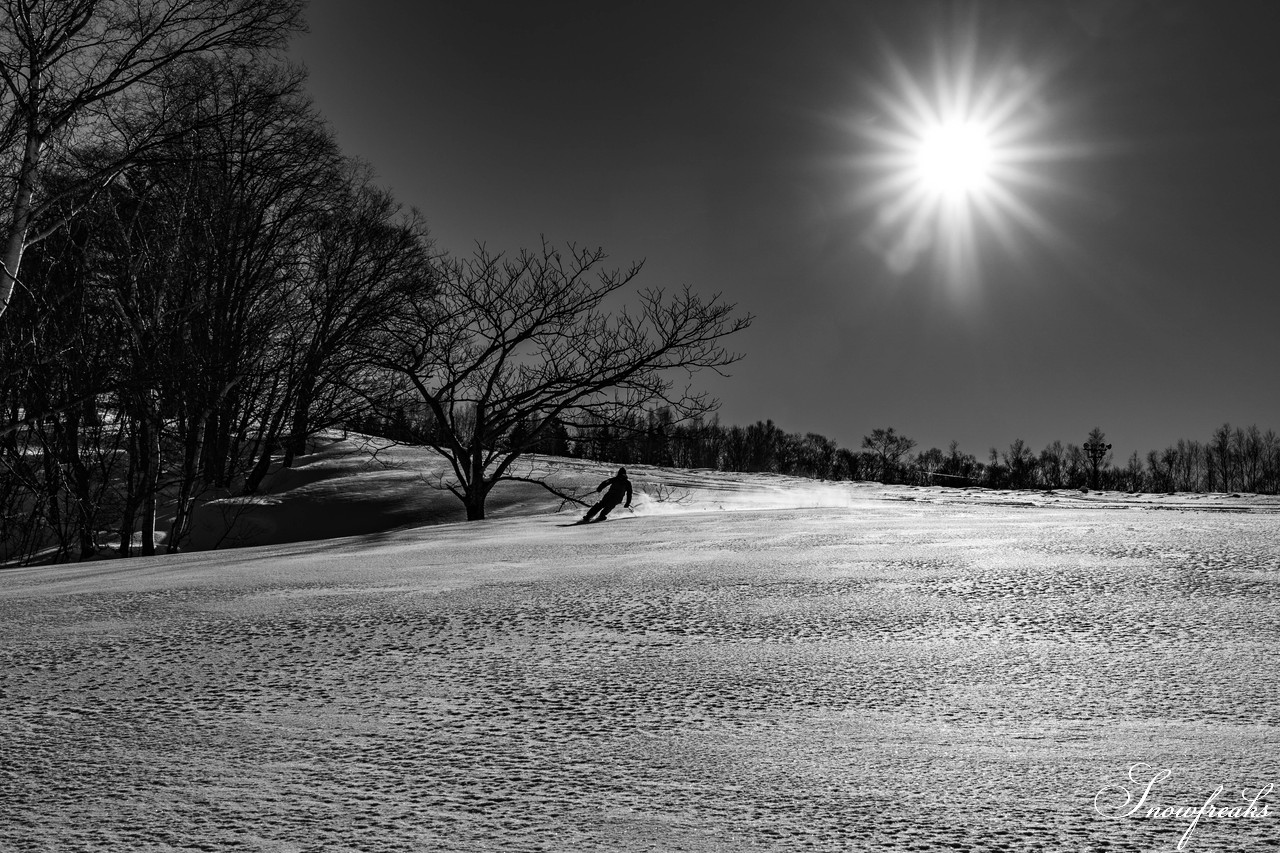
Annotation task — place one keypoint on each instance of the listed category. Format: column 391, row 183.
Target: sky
column 1100, row 248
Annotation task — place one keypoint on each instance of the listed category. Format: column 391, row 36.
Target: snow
column 767, row 664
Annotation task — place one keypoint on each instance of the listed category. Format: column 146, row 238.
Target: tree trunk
column 20, row 222
column 301, row 426
column 186, row 489
column 53, row 493
column 236, row 440
column 149, row 478
column 268, row 442
column 130, row 509
column 217, row 446
column 475, row 505
column 80, row 485
column 476, row 489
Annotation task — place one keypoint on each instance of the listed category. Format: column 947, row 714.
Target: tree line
column 1233, row 459
column 196, row 280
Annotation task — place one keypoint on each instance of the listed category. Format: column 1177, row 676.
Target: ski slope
column 748, row 664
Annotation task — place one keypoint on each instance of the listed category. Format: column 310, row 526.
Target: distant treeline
column 1233, row 459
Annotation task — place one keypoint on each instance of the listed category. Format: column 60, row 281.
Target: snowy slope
column 359, row 485
column 899, row 669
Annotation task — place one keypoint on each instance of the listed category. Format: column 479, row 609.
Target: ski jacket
column 618, row 488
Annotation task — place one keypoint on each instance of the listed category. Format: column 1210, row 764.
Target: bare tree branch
column 71, row 65
column 507, row 347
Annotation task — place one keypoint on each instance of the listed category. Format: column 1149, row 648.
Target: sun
column 951, row 155
column 955, row 159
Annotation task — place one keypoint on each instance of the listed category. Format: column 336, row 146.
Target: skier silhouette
column 619, row 487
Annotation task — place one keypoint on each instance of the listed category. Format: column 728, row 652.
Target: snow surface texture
column 885, row 674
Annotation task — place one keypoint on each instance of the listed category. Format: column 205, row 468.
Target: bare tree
column 1021, row 465
column 817, row 456
column 1187, row 460
column 234, row 192
column 1099, row 454
column 1075, row 466
column 958, row 469
column 1270, row 462
column 70, row 71
column 1163, row 466
column 736, row 450
column 888, row 448
column 361, row 258
column 763, row 439
column 1222, row 462
column 1053, row 465
column 526, row 341
column 1135, row 479
column 928, row 464
column 1249, row 449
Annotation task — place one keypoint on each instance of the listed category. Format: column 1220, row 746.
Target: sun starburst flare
column 949, row 160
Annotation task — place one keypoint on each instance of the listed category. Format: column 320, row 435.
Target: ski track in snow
column 893, row 677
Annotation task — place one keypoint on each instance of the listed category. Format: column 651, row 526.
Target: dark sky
column 722, row 144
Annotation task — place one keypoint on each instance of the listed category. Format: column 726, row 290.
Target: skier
column 618, row 487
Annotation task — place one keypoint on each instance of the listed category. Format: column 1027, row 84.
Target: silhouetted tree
column 1161, row 467
column 1100, row 459
column 1052, row 465
column 928, row 466
column 737, row 450
column 1020, row 465
column 1249, row 452
column 995, row 475
column 847, row 465
column 1222, row 457
column 888, row 448
column 762, row 439
column 697, row 444
column 361, row 260
column 1075, row 466
column 1189, row 466
column 526, row 339
column 958, row 469
column 817, row 456
column 1270, row 482
column 1134, row 475
column 74, row 69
